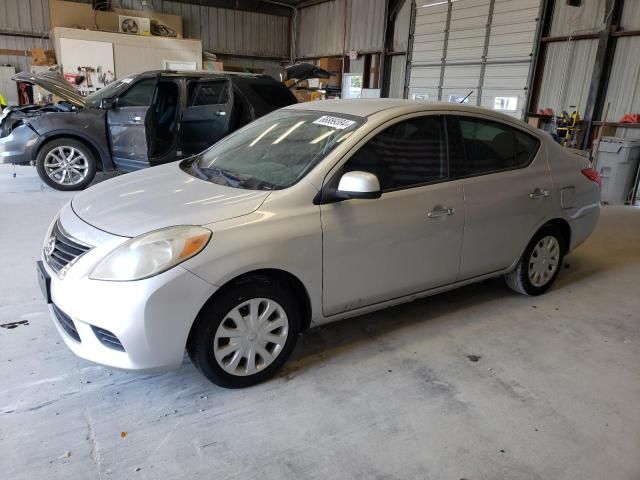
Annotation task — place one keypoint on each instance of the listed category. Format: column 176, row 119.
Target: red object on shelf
column 630, row 118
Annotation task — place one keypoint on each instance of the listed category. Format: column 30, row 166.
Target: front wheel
column 66, row 164
column 245, row 333
column 540, row 264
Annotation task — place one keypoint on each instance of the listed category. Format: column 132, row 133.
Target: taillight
column 593, row 175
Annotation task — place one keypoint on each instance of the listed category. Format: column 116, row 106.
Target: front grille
column 66, row 323
column 107, row 338
column 61, row 249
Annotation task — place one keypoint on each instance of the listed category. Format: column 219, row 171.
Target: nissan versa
column 310, row 214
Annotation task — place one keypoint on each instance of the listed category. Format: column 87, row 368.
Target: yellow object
column 3, row 101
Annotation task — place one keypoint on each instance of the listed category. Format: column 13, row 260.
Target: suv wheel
column 245, row 334
column 540, row 264
column 66, row 164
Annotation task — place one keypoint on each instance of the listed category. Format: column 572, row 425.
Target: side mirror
column 358, row 185
column 109, row 103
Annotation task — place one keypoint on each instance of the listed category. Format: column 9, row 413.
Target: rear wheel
column 540, row 264
column 66, row 164
column 246, row 333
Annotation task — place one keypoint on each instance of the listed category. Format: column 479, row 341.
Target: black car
column 135, row 122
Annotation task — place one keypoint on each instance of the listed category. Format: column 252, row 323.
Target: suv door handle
column 539, row 193
column 440, row 211
column 221, row 114
column 136, row 118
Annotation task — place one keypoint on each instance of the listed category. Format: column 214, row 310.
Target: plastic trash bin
column 617, row 164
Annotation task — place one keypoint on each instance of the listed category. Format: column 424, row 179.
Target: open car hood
column 304, row 71
column 53, row 83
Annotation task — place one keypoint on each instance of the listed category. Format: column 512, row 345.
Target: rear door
column 507, row 188
column 128, row 124
column 207, row 114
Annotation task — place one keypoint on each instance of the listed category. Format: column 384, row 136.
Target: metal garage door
column 484, row 46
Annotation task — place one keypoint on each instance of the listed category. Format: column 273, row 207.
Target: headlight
column 151, row 253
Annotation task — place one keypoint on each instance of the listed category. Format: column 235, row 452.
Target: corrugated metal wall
column 583, row 19
column 401, row 31
column 321, row 28
column 227, row 31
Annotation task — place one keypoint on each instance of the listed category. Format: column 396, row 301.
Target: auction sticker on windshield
column 334, row 122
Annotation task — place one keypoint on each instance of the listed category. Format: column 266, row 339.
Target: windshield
column 109, row 91
column 275, row 151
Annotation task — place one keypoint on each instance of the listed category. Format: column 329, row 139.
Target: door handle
column 539, row 193
column 439, row 212
column 136, row 119
column 221, row 114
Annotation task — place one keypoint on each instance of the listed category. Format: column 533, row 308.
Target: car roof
column 367, row 107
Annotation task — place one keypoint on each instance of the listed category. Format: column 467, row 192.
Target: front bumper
column 17, row 147
column 150, row 318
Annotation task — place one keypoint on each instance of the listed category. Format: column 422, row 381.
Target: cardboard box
column 333, row 65
column 210, row 66
column 41, row 57
column 307, row 95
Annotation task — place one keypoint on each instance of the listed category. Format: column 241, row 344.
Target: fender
column 105, row 162
column 86, row 125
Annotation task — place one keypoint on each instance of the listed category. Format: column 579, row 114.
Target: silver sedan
column 313, row 213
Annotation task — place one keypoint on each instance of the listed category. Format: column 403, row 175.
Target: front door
column 208, row 113
column 127, row 123
column 506, row 182
column 404, row 242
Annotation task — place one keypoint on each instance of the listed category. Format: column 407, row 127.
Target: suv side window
column 493, row 147
column 138, row 95
column 209, row 93
column 409, row 153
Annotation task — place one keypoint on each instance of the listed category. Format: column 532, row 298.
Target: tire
column 219, row 324
column 529, row 277
column 66, row 177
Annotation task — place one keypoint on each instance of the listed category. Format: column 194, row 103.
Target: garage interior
column 475, row 383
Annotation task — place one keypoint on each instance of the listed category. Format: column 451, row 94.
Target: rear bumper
column 18, row 146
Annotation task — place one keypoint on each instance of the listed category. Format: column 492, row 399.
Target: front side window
column 493, row 147
column 139, row 95
column 411, row 152
column 273, row 152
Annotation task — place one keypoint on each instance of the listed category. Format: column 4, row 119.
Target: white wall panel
column 586, row 18
column 567, row 73
column 624, row 83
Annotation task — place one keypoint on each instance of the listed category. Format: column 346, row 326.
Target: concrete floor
column 393, row 395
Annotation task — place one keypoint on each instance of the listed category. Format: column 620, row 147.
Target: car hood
column 53, row 83
column 159, row 197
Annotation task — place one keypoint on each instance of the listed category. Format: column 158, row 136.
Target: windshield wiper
column 230, row 179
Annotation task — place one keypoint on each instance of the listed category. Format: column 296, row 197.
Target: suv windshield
column 275, row 151
column 109, row 91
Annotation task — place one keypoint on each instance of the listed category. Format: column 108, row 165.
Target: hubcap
column 544, row 261
column 66, row 165
column 251, row 337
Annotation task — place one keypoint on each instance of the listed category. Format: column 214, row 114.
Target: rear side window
column 409, row 153
column 209, row 93
column 492, row 147
column 139, row 95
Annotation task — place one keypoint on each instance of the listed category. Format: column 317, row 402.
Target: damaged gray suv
column 135, row 122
